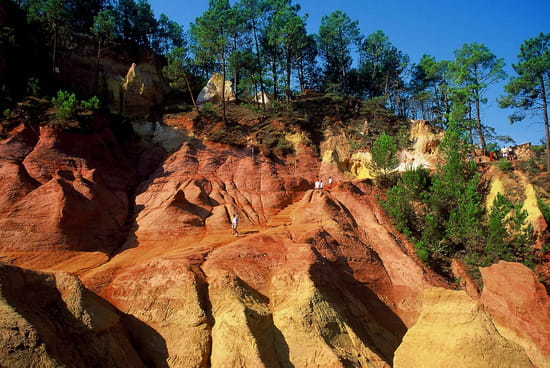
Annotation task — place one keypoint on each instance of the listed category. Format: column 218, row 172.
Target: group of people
column 508, row 153
column 320, row 184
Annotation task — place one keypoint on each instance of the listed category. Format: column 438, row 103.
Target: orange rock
column 520, row 306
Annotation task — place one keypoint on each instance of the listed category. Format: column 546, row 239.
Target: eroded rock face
column 212, row 92
column 51, row 320
column 199, row 188
column 143, row 88
column 63, row 190
column 520, row 308
column 454, row 331
column 316, row 278
column 315, row 293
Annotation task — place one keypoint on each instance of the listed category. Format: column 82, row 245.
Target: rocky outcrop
column 454, row 331
column 52, row 320
column 143, row 88
column 63, row 190
column 319, row 292
column 212, row 92
column 200, row 187
column 520, row 307
column 316, row 278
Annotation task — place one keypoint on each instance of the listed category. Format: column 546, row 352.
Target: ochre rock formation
column 520, row 307
column 49, row 320
column 143, row 88
column 212, row 92
column 454, row 331
column 316, row 278
column 63, row 190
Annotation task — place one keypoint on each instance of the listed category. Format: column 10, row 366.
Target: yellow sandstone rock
column 454, row 331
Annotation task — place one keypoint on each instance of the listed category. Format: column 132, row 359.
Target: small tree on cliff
column 104, row 30
column 211, row 33
column 527, row 92
column 384, row 155
column 474, row 69
column 176, row 71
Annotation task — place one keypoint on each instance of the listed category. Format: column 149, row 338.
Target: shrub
column 530, row 167
column 284, row 146
column 509, row 236
column 545, row 209
column 384, row 157
column 65, row 104
column 7, row 113
column 33, row 86
column 403, row 141
column 504, row 165
column 92, row 104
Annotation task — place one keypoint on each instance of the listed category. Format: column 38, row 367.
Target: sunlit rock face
column 143, row 88
column 52, row 320
column 520, row 308
column 64, row 190
column 454, row 331
column 315, row 278
column 212, row 92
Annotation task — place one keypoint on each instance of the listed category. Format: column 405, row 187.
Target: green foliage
column 33, row 86
column 504, row 165
column 92, row 104
column 530, row 166
column 526, row 93
column 384, row 154
column 7, row 113
column 403, row 141
column 104, row 27
column 474, row 69
column 509, row 238
column 382, row 65
column 65, row 104
column 337, row 34
column 544, row 209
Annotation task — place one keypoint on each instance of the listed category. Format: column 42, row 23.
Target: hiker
column 329, row 182
column 234, row 224
column 317, row 184
column 321, row 185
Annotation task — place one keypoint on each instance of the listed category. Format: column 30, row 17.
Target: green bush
column 384, row 154
column 403, row 141
column 92, row 104
column 284, row 146
column 531, row 166
column 7, row 113
column 509, row 235
column 545, row 209
column 33, row 86
column 504, row 165
column 65, row 104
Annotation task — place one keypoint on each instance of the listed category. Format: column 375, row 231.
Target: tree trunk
column 259, row 58
column 479, row 127
column 190, row 91
column 97, row 67
column 288, row 74
column 275, row 81
column 545, row 115
column 223, row 86
column 54, row 49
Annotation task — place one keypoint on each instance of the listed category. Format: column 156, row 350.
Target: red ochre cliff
column 112, row 257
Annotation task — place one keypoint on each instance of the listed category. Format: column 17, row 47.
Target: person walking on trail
column 329, row 182
column 234, row 224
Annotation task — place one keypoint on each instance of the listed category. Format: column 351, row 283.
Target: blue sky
column 429, row 27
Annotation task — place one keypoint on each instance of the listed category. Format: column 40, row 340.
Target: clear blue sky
column 429, row 27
